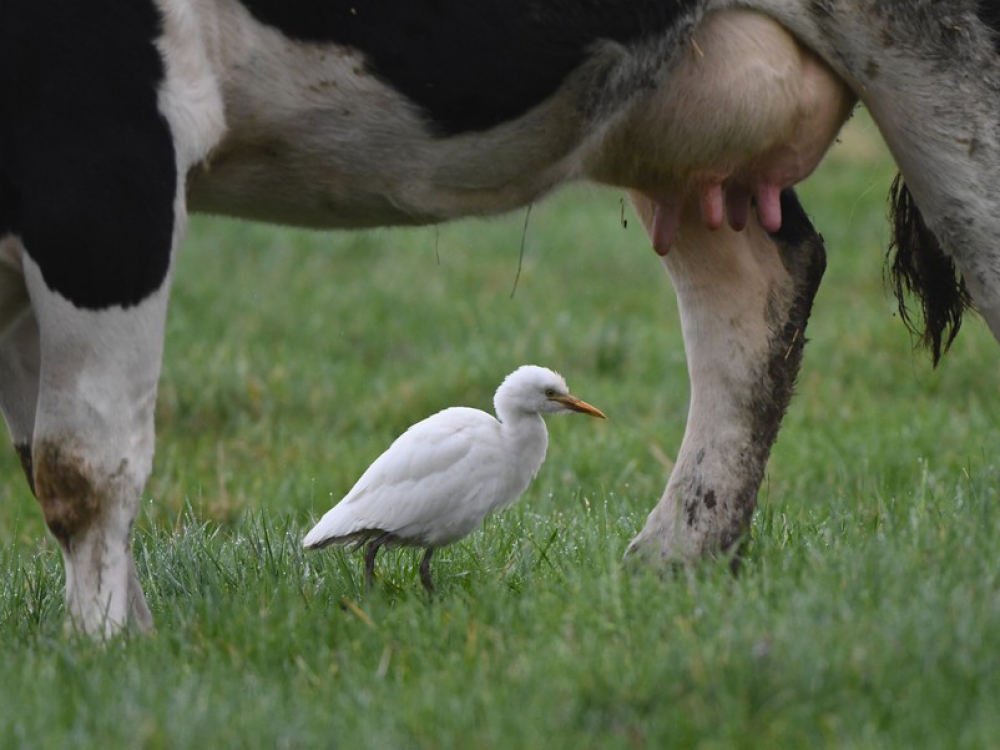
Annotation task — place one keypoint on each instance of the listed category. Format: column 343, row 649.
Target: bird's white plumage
column 440, row 479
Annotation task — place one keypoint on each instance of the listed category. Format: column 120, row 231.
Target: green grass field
column 867, row 614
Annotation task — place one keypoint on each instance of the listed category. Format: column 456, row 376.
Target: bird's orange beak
column 572, row 402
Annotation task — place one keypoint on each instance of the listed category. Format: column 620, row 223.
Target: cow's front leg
column 744, row 300
column 92, row 444
column 19, row 357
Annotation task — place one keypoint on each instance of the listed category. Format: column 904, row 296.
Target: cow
column 121, row 116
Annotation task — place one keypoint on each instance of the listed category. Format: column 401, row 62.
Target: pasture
column 867, row 613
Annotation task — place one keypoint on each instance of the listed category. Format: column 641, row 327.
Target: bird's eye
column 550, row 392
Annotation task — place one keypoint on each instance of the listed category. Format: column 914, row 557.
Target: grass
column 867, row 615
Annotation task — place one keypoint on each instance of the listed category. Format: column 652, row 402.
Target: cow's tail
column 920, row 267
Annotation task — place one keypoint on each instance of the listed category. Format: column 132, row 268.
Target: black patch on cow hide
column 989, row 14
column 470, row 64
column 87, row 171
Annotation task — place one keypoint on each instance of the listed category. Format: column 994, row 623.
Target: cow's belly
column 378, row 166
column 312, row 140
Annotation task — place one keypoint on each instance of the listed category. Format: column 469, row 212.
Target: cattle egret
column 440, row 479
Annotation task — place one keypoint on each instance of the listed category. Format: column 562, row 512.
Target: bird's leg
column 425, row 570
column 373, row 548
column 744, row 299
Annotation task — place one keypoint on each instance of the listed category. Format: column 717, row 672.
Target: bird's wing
column 433, row 485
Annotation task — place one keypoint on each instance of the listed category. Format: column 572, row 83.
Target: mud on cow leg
column 91, row 517
column 744, row 300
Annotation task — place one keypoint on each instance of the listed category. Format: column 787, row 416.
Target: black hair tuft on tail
column 921, row 267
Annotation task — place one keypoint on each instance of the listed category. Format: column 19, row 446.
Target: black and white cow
column 120, row 116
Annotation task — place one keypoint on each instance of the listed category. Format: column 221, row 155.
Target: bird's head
column 538, row 390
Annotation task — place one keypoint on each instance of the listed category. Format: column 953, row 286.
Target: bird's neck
column 527, row 440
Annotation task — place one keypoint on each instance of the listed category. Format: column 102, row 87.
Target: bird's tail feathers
column 319, row 538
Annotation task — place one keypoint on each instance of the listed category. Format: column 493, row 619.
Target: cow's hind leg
column 744, row 300
column 929, row 73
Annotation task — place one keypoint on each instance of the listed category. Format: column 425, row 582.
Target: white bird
column 440, row 479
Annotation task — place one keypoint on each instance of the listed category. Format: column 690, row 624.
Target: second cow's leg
column 744, row 300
